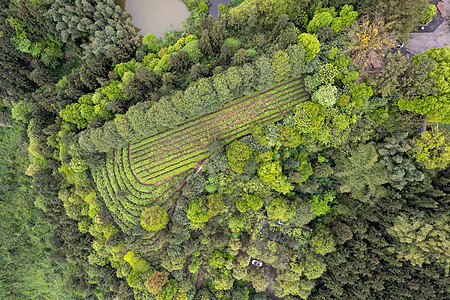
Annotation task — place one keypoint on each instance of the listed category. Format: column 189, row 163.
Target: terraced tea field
column 153, row 170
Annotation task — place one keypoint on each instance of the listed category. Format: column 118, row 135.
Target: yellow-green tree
column 433, row 150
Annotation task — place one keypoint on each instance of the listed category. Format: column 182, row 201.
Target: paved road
column 421, row 42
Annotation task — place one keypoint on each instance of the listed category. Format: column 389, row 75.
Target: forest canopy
column 256, row 155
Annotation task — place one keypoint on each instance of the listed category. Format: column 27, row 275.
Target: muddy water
column 155, row 16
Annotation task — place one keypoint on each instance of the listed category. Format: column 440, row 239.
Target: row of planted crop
column 182, row 163
column 167, row 161
column 177, row 170
column 199, row 141
column 125, row 165
column 191, row 136
column 219, row 134
column 120, row 215
column 207, row 119
column 141, row 197
column 126, row 200
column 119, row 187
column 227, row 107
column 101, row 187
column 211, row 119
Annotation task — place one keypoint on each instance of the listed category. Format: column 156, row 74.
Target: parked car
column 281, row 222
column 257, row 263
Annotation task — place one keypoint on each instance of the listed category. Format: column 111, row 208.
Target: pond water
column 155, row 16
column 213, row 10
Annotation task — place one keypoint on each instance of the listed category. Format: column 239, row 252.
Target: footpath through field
column 175, row 151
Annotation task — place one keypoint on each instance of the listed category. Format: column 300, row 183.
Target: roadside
column 423, row 41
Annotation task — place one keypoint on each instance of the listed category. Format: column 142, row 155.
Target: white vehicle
column 257, row 263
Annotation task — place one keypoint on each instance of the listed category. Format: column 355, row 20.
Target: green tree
column 217, row 260
column 326, row 95
column 311, row 45
column 361, row 173
column 280, row 209
column 433, row 150
column 238, row 153
column 423, row 241
column 215, row 204
column 281, row 69
column 195, row 212
column 154, row 218
column 314, row 266
column 319, row 20
column 322, row 242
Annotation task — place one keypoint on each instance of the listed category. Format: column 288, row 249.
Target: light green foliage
column 327, row 73
column 238, row 153
column 436, row 108
column 195, row 212
column 260, row 280
column 423, row 241
column 280, row 209
column 319, row 20
column 433, row 150
column 322, row 242
column 154, row 218
column 215, row 204
column 303, row 214
column 336, row 128
column 281, row 68
column 114, row 91
column 249, row 201
column 350, row 77
column 311, row 45
column 361, row 173
column 193, row 51
column 195, row 265
column 152, row 42
column 233, row 43
column 290, row 137
column 169, row 291
column 314, row 266
column 203, row 6
column 199, row 98
column 360, row 93
column 217, row 260
column 136, row 262
column 164, row 114
column 332, row 53
column 123, row 68
column 346, row 17
column 269, row 171
column 222, row 280
column 321, row 203
column 265, row 79
column 430, row 12
column 310, row 117
column 326, row 95
column 78, row 114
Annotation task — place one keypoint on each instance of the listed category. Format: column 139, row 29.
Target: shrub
column 430, row 13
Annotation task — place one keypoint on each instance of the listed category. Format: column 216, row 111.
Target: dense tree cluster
column 344, row 196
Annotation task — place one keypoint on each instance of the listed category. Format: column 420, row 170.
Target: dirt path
column 421, row 42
